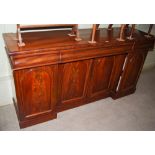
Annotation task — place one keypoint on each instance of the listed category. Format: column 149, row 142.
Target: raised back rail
column 23, row 28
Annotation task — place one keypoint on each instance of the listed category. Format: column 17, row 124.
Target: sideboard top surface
column 54, row 47
column 59, row 39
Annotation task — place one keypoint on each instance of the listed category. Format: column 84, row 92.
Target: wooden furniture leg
column 132, row 31
column 93, row 34
column 126, row 26
column 121, row 37
column 97, row 26
column 110, row 26
column 19, row 37
column 149, row 31
column 75, row 32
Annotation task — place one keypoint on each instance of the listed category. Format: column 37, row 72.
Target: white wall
column 5, row 82
column 5, row 79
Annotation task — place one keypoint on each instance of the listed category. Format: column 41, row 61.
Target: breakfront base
column 122, row 94
column 53, row 72
column 35, row 120
column 51, row 116
column 41, row 119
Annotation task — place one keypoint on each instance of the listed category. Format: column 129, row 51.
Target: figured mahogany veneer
column 53, row 72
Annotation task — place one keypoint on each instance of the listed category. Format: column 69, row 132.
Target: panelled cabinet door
column 104, row 76
column 74, row 79
column 132, row 70
column 36, row 91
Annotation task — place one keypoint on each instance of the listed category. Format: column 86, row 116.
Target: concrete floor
column 133, row 112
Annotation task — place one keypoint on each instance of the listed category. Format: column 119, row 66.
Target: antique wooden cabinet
column 53, row 72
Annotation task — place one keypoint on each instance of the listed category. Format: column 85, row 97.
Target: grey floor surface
column 133, row 112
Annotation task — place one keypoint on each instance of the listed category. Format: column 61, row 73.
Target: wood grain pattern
column 101, row 74
column 53, row 72
column 131, row 73
column 37, row 91
column 132, row 70
column 73, row 81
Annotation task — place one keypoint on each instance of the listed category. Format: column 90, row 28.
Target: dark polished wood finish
column 53, row 72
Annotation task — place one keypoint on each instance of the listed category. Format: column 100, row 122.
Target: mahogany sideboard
column 53, row 72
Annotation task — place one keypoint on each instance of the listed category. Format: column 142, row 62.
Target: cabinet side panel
column 132, row 70
column 131, row 73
